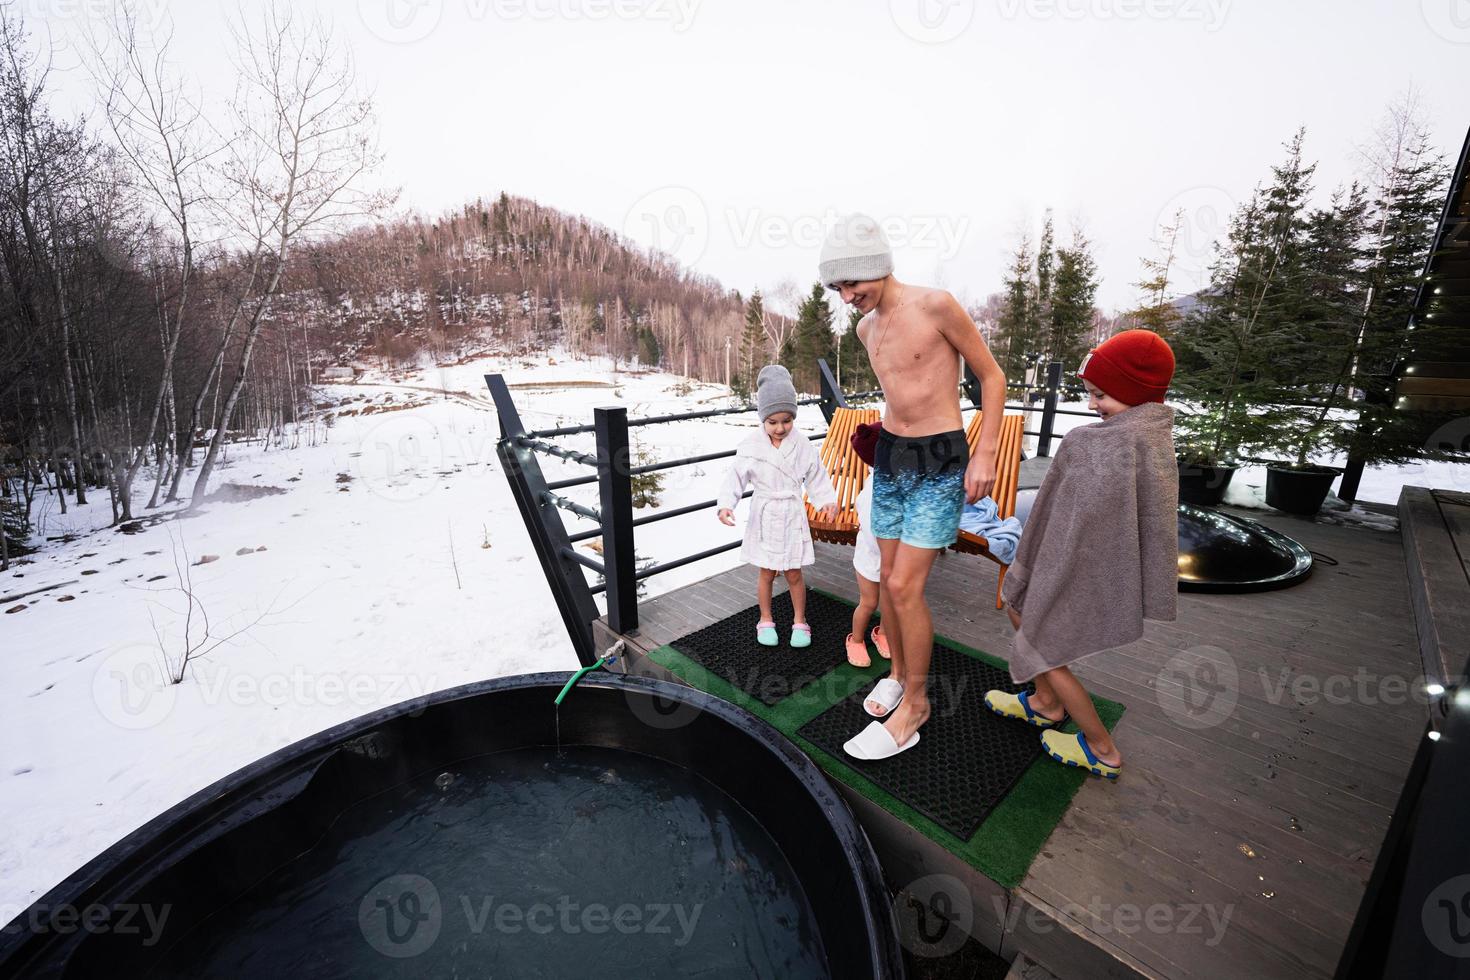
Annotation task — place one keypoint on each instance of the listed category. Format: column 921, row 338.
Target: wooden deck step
column 1435, row 525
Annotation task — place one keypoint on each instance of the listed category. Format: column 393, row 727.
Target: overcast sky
column 729, row 132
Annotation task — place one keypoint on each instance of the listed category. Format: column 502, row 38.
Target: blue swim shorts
column 919, row 488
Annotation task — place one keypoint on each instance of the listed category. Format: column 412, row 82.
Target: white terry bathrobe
column 776, row 532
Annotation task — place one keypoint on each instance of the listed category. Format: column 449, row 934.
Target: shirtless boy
column 922, row 473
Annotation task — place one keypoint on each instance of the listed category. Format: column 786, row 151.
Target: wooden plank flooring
column 1436, row 535
column 1237, row 849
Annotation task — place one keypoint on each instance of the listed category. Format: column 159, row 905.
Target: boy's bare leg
column 906, row 586
column 797, row 585
column 1068, row 690
column 867, row 603
column 763, row 592
column 1045, row 701
column 888, row 553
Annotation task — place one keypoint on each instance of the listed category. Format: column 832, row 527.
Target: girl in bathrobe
column 777, row 461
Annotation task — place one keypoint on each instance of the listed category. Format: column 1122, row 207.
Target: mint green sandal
column 766, row 635
column 801, row 635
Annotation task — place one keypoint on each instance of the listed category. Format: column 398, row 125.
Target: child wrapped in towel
column 1100, row 550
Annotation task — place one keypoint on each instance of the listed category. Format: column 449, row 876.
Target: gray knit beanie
column 855, row 251
column 774, row 392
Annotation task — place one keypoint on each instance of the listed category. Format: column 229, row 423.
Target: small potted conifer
column 1298, row 485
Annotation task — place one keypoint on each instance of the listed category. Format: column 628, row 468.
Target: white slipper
column 887, row 692
column 874, row 742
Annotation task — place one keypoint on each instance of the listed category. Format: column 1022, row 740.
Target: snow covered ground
column 385, row 562
column 351, row 602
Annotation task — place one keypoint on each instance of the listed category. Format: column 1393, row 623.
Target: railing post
column 1049, row 408
column 972, row 386
column 832, row 397
column 615, row 486
column 543, row 523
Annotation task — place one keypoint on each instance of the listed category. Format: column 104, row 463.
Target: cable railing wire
column 571, row 505
column 570, row 455
column 669, row 464
column 614, row 522
column 573, row 430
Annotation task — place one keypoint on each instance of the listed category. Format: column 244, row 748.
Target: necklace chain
column 888, row 321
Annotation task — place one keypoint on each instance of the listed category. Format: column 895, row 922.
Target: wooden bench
column 848, row 472
column 1007, row 481
column 849, row 475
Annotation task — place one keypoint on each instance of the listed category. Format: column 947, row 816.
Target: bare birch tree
column 160, row 131
column 305, row 144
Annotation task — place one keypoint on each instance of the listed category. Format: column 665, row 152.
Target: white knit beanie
column 855, row 251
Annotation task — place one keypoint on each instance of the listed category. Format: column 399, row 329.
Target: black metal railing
column 834, row 398
column 541, row 505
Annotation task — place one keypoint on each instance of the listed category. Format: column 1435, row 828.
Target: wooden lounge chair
column 1007, row 481
column 849, row 474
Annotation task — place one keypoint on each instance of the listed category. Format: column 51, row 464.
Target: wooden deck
column 1238, row 849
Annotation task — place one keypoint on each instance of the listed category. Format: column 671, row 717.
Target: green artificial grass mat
column 1009, row 839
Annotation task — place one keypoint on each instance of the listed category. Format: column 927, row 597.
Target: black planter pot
column 1203, row 485
column 1298, row 491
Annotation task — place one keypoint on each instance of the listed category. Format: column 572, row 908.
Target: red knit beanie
column 1134, row 366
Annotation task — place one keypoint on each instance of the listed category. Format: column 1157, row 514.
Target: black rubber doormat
column 729, row 650
column 967, row 758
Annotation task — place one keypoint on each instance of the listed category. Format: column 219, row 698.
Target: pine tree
column 1156, row 312
column 1072, row 299
column 1277, row 270
column 1311, row 357
column 1215, row 361
column 1402, row 222
column 754, row 347
column 1254, row 308
column 1014, row 339
column 1039, row 310
column 854, row 372
column 649, row 353
column 811, row 339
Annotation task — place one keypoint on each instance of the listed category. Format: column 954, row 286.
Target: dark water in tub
column 523, row 864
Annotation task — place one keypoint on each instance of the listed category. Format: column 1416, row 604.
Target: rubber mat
column 769, row 674
column 967, row 758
